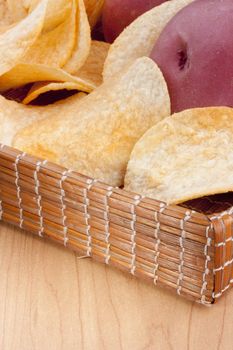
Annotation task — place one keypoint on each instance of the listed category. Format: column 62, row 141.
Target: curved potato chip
column 28, row 73
column 83, row 42
column 41, row 88
column 11, row 11
column 16, row 9
column 90, row 75
column 25, row 3
column 185, row 156
column 6, row 21
column 97, row 139
column 15, row 116
column 54, row 48
column 56, row 13
column 139, row 38
column 93, row 67
column 94, row 10
column 15, row 42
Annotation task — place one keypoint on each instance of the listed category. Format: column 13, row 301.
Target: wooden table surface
column 50, row 299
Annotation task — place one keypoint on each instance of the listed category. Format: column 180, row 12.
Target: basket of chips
column 99, row 151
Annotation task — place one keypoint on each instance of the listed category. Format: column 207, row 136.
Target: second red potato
column 118, row 14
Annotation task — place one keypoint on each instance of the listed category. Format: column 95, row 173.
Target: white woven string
column 37, row 190
column 157, row 241
column 107, row 225
column 218, row 295
column 65, row 174
column 183, row 221
column 207, row 260
column 133, row 234
column 222, row 267
column 223, row 244
column 87, row 216
column 18, row 158
column 219, row 216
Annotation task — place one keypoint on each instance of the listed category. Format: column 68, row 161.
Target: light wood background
column 50, row 299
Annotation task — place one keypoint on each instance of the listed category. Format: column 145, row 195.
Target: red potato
column 195, row 54
column 118, row 14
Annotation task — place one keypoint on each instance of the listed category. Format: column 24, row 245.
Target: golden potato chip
column 89, row 76
column 54, row 47
column 94, row 10
column 139, row 38
column 11, row 11
column 185, row 156
column 97, row 138
column 15, row 42
column 25, row 3
column 4, row 15
column 28, row 73
column 41, row 88
column 83, row 42
column 15, row 116
column 46, row 49
column 92, row 70
column 16, row 9
column 56, row 13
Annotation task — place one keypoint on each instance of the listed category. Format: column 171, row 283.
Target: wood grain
column 50, row 299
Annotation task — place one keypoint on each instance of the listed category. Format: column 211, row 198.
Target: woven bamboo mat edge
column 186, row 251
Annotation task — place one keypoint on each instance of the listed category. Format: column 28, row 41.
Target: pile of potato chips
column 103, row 128
column 48, row 43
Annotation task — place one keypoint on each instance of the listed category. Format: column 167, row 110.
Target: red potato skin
column 195, row 54
column 118, row 14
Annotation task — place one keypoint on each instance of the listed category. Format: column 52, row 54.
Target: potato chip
column 41, row 88
column 139, row 38
column 16, row 9
column 55, row 47
column 94, row 10
column 97, row 138
column 15, row 42
column 28, row 73
column 92, row 70
column 83, row 42
column 11, row 11
column 25, row 3
column 185, row 156
column 90, row 75
column 15, row 116
column 56, row 13
column 5, row 18
column 26, row 69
